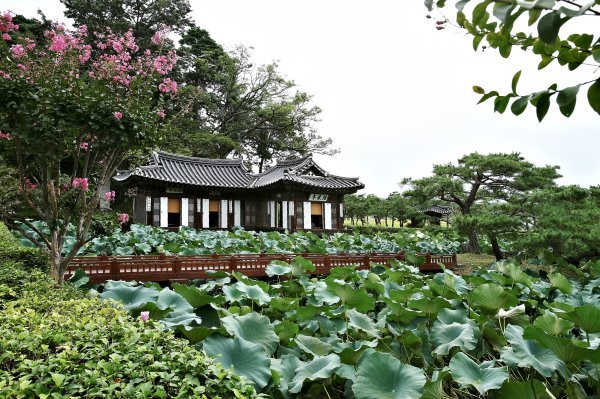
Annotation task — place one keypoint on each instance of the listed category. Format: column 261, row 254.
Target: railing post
column 176, row 268
column 232, row 264
column 428, row 259
column 366, row 262
column 327, row 262
column 115, row 270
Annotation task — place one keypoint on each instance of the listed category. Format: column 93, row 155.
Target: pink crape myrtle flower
column 161, row 114
column 118, row 115
column 5, row 136
column 168, row 86
column 18, row 51
column 144, row 316
column 123, row 218
column 84, row 146
column 80, row 182
column 6, row 36
column 109, row 196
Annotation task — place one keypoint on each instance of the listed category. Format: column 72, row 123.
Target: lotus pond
column 143, row 240
column 390, row 332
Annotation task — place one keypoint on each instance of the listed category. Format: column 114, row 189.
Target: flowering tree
column 69, row 114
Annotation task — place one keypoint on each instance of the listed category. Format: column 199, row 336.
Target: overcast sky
column 395, row 92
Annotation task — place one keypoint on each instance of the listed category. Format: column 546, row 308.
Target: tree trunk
column 56, row 273
column 472, row 246
column 496, row 247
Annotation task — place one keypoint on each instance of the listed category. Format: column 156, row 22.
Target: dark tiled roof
column 226, row 173
column 231, row 173
column 295, row 170
column 439, row 210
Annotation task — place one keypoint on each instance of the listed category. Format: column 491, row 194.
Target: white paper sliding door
column 237, row 213
column 185, row 212
column 164, row 212
column 205, row 214
column 224, row 212
column 307, row 215
column 327, row 216
column 284, row 216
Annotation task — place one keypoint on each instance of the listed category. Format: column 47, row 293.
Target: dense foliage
column 70, row 113
column 142, row 239
column 500, row 24
column 391, row 332
column 12, row 251
column 477, row 182
column 59, row 343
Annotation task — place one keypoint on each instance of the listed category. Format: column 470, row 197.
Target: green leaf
column 515, row 81
column 198, row 334
column 195, row 296
column 552, row 324
column 79, row 279
column 587, row 317
column 352, row 297
column 533, row 389
column 567, row 99
column 526, row 353
column 502, row 11
column 313, row 345
column 549, row 26
column 519, row 105
column 382, row 376
column 482, row 377
column 431, row 306
column 245, row 358
column 253, row 328
column 318, row 368
column 58, row 379
column 170, row 299
column 362, row 322
column 130, row 297
column 277, row 269
column 542, row 106
column 559, row 281
column 490, row 298
column 534, row 15
column 286, row 330
column 593, row 96
column 455, row 334
column 596, row 54
column 500, row 103
column 564, row 348
column 487, row 96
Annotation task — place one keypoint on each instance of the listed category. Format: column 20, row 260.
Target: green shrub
column 12, row 251
column 54, row 342
column 14, row 278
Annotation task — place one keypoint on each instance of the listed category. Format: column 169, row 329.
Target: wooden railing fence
column 180, row 268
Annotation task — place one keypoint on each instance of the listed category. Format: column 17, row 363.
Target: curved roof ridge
column 293, row 161
column 185, row 158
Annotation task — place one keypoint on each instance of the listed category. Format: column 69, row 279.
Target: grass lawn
column 467, row 263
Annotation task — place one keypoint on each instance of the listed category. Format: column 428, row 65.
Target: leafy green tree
column 144, row 17
column 498, row 23
column 356, row 208
column 255, row 107
column 401, row 208
column 68, row 118
column 478, row 179
column 562, row 220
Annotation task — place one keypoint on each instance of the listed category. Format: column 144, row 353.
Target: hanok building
column 295, row 194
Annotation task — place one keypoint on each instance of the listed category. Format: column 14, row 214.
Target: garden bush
column 12, row 251
column 56, row 342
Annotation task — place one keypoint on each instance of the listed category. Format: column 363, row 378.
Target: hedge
column 56, row 342
column 12, row 251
